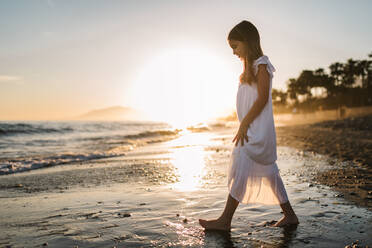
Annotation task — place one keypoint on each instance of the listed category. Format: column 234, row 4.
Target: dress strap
column 264, row 60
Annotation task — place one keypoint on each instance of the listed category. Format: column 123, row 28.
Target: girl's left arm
column 263, row 89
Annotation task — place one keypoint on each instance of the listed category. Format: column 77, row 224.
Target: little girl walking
column 253, row 175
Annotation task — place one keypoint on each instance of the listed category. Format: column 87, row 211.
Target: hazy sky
column 63, row 58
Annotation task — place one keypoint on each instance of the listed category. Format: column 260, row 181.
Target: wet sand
column 153, row 197
column 349, row 143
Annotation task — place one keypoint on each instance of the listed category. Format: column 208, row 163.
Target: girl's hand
column 242, row 134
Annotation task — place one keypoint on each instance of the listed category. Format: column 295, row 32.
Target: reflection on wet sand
column 221, row 238
column 225, row 239
column 189, row 165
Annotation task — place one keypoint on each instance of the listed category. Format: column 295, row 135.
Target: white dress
column 253, row 175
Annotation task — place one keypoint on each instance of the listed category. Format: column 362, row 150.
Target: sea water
column 29, row 145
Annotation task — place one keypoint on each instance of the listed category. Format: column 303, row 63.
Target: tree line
column 345, row 84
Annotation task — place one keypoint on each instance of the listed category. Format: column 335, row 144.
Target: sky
column 59, row 59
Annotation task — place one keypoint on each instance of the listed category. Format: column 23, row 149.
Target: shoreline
column 348, row 142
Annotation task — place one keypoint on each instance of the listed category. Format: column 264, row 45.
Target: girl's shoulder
column 264, row 59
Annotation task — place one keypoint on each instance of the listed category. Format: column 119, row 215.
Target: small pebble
column 45, row 244
column 185, row 220
column 178, row 215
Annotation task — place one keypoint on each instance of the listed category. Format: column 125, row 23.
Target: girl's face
column 238, row 48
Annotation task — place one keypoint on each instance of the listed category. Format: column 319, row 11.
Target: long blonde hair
column 247, row 33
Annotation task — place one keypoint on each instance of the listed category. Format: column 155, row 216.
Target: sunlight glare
column 189, row 160
column 183, row 86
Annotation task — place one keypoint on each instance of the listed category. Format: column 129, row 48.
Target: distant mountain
column 112, row 114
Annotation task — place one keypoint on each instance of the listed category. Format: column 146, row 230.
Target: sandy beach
column 349, row 143
column 154, row 195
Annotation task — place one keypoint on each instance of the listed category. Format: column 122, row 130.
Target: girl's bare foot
column 217, row 224
column 286, row 220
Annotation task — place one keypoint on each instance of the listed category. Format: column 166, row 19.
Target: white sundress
column 253, row 175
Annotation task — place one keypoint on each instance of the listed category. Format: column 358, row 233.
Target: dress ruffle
column 250, row 182
column 264, row 60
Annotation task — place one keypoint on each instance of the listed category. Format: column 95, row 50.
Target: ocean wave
column 198, row 128
column 113, row 147
column 149, row 134
column 20, row 165
column 132, row 138
column 23, row 128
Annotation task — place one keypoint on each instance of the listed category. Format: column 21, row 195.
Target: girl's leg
column 289, row 218
column 289, row 215
column 224, row 221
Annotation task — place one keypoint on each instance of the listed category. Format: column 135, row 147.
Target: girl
column 253, row 175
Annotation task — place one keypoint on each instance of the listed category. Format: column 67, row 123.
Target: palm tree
column 369, row 72
column 292, row 89
column 362, row 71
column 350, row 73
column 337, row 71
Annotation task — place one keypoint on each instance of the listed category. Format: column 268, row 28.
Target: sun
column 184, row 86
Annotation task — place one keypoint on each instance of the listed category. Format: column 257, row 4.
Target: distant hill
column 112, row 114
